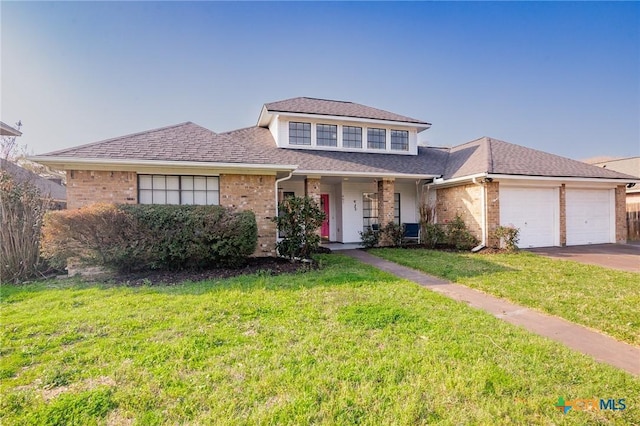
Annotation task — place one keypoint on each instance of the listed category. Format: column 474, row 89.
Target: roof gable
column 303, row 105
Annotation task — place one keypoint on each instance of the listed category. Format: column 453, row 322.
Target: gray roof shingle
column 499, row 157
column 255, row 145
column 304, row 105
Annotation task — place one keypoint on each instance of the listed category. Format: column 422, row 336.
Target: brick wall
column 563, row 215
column 256, row 193
column 312, row 189
column 493, row 212
column 88, row 186
column 386, row 207
column 465, row 201
column 621, row 214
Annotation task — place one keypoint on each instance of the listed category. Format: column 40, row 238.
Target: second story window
column 351, row 137
column 400, row 140
column 376, row 138
column 299, row 133
column 326, row 135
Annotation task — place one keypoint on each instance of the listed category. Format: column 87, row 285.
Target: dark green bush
column 391, row 235
column 433, row 235
column 137, row 237
column 458, row 236
column 298, row 221
column 369, row 238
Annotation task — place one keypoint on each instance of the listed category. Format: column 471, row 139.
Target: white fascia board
column 418, row 126
column 619, row 181
column 71, row 163
column 265, row 117
column 546, row 179
column 362, row 174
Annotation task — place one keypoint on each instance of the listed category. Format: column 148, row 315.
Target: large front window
column 400, row 140
column 299, row 133
column 326, row 135
column 376, row 138
column 370, row 210
column 166, row 189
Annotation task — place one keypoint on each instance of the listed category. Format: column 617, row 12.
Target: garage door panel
column 589, row 213
column 533, row 211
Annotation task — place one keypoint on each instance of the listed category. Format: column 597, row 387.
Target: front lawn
column 347, row 344
column 597, row 297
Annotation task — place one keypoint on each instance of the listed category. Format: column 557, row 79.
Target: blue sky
column 559, row 77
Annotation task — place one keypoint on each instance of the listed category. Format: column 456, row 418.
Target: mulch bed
column 268, row 265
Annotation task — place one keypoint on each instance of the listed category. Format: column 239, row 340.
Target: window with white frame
column 326, row 135
column 299, row 133
column 167, row 189
column 351, row 137
column 400, row 140
column 376, row 138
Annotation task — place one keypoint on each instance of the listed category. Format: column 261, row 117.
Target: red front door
column 324, row 205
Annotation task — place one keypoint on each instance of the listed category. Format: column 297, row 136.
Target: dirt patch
column 255, row 265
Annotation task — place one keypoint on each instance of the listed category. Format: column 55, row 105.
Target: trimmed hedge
column 135, row 237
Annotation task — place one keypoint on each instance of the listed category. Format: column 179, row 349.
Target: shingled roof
column 492, row 156
column 46, row 187
column 189, row 142
column 304, row 105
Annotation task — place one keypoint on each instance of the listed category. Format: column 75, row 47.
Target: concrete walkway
column 602, row 348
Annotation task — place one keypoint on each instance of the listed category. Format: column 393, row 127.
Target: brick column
column 492, row 213
column 621, row 214
column 256, row 193
column 312, row 189
column 386, row 201
column 563, row 215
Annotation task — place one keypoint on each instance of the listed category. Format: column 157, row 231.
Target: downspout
column 484, row 210
column 276, row 196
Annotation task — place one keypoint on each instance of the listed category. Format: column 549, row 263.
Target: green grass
column 603, row 299
column 344, row 345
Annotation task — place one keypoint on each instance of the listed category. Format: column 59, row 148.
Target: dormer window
column 400, row 140
column 376, row 138
column 299, row 133
column 351, row 137
column 326, row 135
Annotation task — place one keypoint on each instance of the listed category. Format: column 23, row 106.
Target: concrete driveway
column 624, row 257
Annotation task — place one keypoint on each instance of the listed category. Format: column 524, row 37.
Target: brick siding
column 621, row 214
column 256, row 193
column 493, row 212
column 90, row 186
column 465, row 201
column 563, row 215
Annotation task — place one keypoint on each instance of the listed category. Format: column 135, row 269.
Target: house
column 50, row 188
column 6, row 130
column 629, row 166
column 363, row 165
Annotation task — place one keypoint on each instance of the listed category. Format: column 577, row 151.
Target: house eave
column 72, row 163
column 509, row 177
column 334, row 173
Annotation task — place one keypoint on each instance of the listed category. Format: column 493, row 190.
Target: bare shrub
column 22, row 208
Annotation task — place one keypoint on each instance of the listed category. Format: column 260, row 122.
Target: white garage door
column 589, row 216
column 534, row 211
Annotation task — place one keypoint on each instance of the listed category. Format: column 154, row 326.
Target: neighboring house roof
column 46, row 187
column 338, row 108
column 629, row 166
column 492, row 156
column 6, row 130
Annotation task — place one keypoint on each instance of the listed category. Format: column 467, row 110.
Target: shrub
column 96, row 235
column 433, row 235
column 458, row 236
column 21, row 211
column 392, row 235
column 298, row 221
column 129, row 237
column 369, row 238
column 510, row 235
